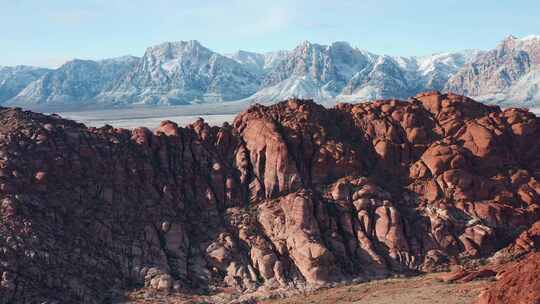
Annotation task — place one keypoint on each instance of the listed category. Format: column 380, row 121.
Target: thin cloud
column 72, row 16
column 269, row 20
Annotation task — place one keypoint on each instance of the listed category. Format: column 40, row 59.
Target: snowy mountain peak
column 121, row 59
column 184, row 72
column 512, row 42
column 492, row 76
column 255, row 61
column 510, row 38
column 531, row 37
column 177, row 49
column 305, row 44
column 177, row 45
column 341, row 44
column 242, row 55
column 76, row 61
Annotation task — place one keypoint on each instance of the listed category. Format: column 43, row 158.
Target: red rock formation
column 289, row 196
column 518, row 283
column 463, row 276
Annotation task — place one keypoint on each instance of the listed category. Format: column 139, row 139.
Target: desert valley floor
column 150, row 117
column 422, row 289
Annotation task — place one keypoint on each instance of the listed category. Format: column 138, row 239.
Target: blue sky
column 47, row 33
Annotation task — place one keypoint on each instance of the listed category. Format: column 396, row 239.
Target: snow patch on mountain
column 183, row 72
column 292, row 87
column 525, row 92
column 75, row 82
column 186, row 72
column 15, row 79
column 505, row 75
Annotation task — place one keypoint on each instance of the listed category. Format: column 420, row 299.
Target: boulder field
column 290, row 196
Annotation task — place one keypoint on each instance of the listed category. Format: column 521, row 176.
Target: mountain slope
column 185, row 72
column 506, row 74
column 76, row 82
column 15, row 79
column 435, row 70
column 180, row 73
column 339, row 72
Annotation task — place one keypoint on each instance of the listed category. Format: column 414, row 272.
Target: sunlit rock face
column 289, row 196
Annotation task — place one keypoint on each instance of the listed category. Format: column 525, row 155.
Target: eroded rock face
column 517, row 283
column 289, row 196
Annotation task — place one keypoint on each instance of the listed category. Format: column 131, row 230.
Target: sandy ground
column 150, row 117
column 426, row 289
column 419, row 290
column 149, row 122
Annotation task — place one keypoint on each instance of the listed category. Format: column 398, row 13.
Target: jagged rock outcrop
column 289, row 196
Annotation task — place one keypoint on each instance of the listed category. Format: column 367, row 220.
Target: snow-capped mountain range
column 186, row 72
column 77, row 81
column 340, row 72
column 14, row 79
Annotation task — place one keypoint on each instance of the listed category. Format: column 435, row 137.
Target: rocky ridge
column 75, row 83
column 186, row 72
column 183, row 72
column 14, row 79
column 292, row 196
column 503, row 75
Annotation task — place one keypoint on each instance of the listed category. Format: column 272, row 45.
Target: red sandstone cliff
column 289, row 196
